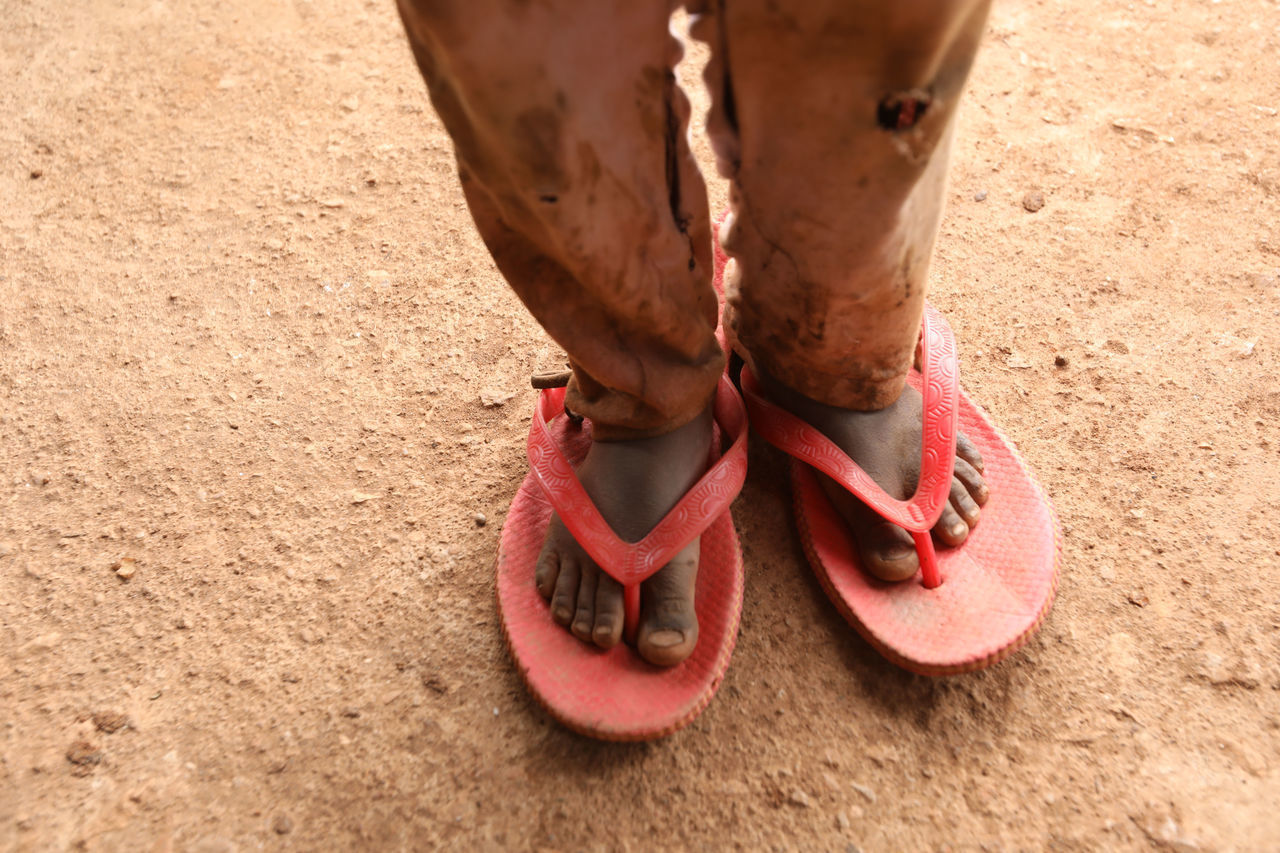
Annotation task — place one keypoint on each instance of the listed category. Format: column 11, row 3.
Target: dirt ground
column 246, row 329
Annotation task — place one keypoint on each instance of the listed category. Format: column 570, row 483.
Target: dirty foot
column 634, row 484
column 886, row 444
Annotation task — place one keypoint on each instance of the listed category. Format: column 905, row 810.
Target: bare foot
column 634, row 484
column 886, row 444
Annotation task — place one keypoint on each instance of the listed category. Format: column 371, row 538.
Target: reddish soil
column 246, row 328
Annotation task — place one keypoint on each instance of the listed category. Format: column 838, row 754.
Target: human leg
column 833, row 120
column 569, row 134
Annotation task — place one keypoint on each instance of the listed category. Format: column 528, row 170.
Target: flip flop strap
column 940, row 392
column 631, row 563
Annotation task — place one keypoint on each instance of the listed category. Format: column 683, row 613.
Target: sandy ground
column 245, row 330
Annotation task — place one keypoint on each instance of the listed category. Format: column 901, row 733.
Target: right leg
column 833, row 118
column 569, row 135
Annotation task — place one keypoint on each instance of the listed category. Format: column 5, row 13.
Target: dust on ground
column 247, row 334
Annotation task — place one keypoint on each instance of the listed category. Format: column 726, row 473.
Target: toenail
column 897, row 552
column 666, row 639
column 959, row 528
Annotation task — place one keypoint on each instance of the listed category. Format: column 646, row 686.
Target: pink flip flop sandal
column 616, row 694
column 968, row 607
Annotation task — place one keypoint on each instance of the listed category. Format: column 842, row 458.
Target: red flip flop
column 616, row 694
column 968, row 607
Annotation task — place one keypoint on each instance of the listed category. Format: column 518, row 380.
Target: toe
column 885, row 549
column 968, row 451
column 668, row 624
column 950, row 529
column 973, row 482
column 565, row 597
column 609, row 613
column 963, row 503
column 548, row 569
column 584, row 618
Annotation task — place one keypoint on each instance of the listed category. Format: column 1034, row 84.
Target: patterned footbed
column 996, row 589
column 615, row 694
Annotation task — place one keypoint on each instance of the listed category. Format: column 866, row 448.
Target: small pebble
column 125, row 568
column 481, row 520
column 800, row 798
column 980, row 195
column 282, row 824
column 1033, row 201
column 84, row 754
column 1059, row 361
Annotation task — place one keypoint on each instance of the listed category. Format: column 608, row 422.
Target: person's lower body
column 831, row 120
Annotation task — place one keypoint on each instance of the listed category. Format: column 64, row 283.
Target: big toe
column 668, row 628
column 885, row 549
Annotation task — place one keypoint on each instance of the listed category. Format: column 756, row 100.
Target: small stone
column 361, row 497
column 1059, row 361
column 333, row 203
column 842, row 821
column 6, row 548
column 350, row 104
column 254, row 512
column 44, row 642
column 274, row 244
column 125, row 567
column 110, row 722
column 864, row 791
column 800, row 798
column 84, row 754
column 351, row 712
column 1033, row 201
column 182, row 623
column 282, row 824
column 481, row 519
column 980, row 195
column 36, row 173
column 493, row 398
